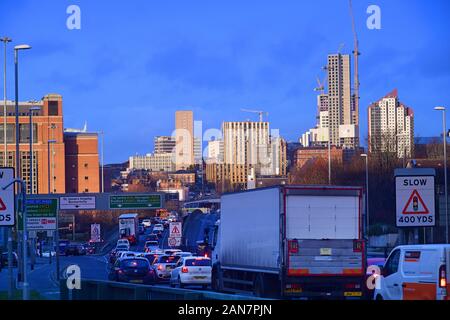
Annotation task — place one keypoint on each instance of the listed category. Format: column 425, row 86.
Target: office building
column 215, row 151
column 152, row 162
column 82, row 161
column 248, row 149
column 391, row 126
column 48, row 158
column 164, row 144
column 198, row 150
column 184, row 137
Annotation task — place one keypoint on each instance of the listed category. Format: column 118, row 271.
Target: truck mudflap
column 324, row 288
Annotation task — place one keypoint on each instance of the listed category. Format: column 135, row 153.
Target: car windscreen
column 168, row 259
column 134, row 263
column 151, row 243
column 198, row 263
column 121, row 248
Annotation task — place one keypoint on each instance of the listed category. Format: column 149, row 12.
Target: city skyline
column 216, row 67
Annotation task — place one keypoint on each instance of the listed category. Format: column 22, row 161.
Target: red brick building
column 304, row 155
column 82, row 163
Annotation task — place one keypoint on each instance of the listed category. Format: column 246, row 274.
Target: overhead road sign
column 77, row 203
column 415, row 199
column 151, row 201
column 7, row 203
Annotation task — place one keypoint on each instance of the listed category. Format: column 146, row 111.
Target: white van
column 416, row 272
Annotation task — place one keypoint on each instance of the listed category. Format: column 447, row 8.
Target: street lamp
column 32, row 109
column 103, row 165
column 16, row 67
column 6, row 40
column 364, row 155
column 17, row 166
column 444, row 138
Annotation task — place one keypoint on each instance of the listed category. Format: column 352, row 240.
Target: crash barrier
column 109, row 290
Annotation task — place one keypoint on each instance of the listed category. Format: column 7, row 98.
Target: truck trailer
column 291, row 242
column 128, row 227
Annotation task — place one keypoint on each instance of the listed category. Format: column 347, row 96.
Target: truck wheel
column 215, row 281
column 258, row 286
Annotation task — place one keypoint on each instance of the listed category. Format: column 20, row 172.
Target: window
column 53, row 108
column 86, row 178
column 85, row 165
column 391, row 266
column 86, row 190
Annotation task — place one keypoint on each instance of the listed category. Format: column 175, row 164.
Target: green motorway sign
column 151, row 201
column 39, row 208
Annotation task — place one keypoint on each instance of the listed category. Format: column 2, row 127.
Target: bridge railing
column 109, row 290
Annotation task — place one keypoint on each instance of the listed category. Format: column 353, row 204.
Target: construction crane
column 261, row 113
column 321, row 85
column 356, row 54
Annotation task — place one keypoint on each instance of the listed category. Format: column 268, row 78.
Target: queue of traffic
column 153, row 265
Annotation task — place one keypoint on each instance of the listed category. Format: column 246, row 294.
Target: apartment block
column 391, row 126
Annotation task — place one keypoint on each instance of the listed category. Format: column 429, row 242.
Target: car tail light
column 358, row 246
column 293, row 246
column 120, row 271
column 442, row 277
column 184, row 270
column 160, row 267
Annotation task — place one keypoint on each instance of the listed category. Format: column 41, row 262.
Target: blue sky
column 133, row 63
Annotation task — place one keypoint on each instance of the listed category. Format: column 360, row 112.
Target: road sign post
column 175, row 233
column 6, row 176
column 7, row 206
column 415, row 198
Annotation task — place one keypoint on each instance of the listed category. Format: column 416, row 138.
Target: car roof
column 423, row 246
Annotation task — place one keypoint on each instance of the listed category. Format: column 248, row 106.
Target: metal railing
column 109, row 290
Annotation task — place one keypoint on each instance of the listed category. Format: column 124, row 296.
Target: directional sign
column 75, row 203
column 174, row 242
column 175, row 230
column 151, row 201
column 41, row 214
column 7, row 207
column 415, row 203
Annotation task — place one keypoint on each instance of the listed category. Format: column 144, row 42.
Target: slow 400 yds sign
column 415, row 201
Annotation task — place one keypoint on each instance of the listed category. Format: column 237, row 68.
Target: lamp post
column 57, row 225
column 16, row 68
column 365, row 155
column 6, row 40
column 444, row 138
column 32, row 109
column 103, row 164
column 18, row 175
column 31, row 179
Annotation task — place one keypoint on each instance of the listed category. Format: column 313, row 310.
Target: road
column 93, row 267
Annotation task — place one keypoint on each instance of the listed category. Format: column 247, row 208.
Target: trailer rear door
column 323, row 235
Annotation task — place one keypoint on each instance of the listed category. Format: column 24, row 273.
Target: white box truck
column 128, row 227
column 291, row 241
